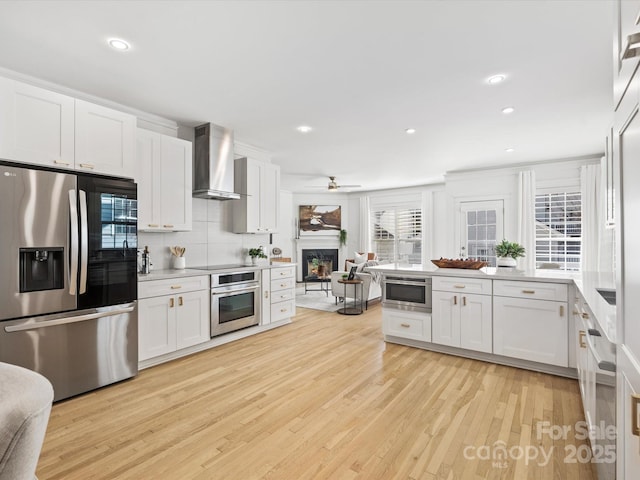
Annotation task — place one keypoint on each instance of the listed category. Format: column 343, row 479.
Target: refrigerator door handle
column 66, row 320
column 84, row 241
column 73, row 250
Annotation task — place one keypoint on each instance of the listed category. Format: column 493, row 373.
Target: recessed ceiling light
column 410, row 131
column 119, row 44
column 509, row 150
column 495, row 79
column 508, row 110
column 304, row 129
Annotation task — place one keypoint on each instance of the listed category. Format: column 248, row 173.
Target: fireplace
column 319, row 262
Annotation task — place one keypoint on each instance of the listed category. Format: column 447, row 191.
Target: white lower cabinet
column 405, row 324
column 283, row 294
column 167, row 323
column 535, row 330
column 461, row 319
column 628, row 426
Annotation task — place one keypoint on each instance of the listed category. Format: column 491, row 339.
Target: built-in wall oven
column 407, row 292
column 235, row 300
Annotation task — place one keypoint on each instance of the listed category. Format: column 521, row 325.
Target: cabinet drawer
column 536, row 290
column 462, row 285
column 155, row 288
column 282, row 284
column 287, row 272
column 282, row 310
column 406, row 324
column 282, row 295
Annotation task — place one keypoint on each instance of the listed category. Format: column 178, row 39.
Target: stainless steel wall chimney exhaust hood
column 213, row 163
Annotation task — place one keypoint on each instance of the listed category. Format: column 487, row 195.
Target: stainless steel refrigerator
column 68, row 276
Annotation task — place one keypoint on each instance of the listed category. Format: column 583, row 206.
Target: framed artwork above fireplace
column 320, row 219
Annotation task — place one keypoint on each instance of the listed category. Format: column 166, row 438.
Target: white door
column 148, row 179
column 192, row 322
column 270, row 192
column 36, row 125
column 175, row 183
column 105, row 140
column 445, row 318
column 480, row 228
column 476, row 331
column 156, row 326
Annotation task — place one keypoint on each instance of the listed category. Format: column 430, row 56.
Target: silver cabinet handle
column 459, row 286
column 87, row 165
column 61, row 162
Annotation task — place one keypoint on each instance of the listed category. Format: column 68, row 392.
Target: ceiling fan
column 333, row 185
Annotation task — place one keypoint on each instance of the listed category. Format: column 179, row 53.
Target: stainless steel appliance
column 213, row 165
column 601, row 364
column 69, row 283
column 407, row 292
column 235, row 300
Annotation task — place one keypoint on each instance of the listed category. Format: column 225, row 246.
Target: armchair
column 25, row 404
column 370, row 288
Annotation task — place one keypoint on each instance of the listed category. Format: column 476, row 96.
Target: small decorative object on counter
column 177, row 253
column 466, row 263
column 507, row 253
column 145, row 268
column 255, row 254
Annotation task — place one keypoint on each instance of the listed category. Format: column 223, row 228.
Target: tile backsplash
column 210, row 242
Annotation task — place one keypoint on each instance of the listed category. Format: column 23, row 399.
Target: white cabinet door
column 535, row 330
column 192, row 323
column 156, row 326
column 104, row 140
column 163, row 173
column 270, row 197
column 176, row 182
column 258, row 183
column 628, row 442
column 36, row 125
column 476, row 332
column 148, row 179
column 445, row 318
column 265, row 304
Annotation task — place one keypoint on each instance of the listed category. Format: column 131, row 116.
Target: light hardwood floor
column 322, row 398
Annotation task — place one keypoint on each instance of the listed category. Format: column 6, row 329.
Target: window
column 559, row 229
column 119, row 221
column 480, row 229
column 396, row 233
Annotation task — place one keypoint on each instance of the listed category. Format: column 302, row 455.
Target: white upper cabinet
column 105, row 140
column 258, row 183
column 163, row 173
column 42, row 127
column 36, row 125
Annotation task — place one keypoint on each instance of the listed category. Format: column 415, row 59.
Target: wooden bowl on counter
column 470, row 264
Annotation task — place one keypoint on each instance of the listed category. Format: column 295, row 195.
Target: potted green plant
column 256, row 253
column 343, row 237
column 507, row 253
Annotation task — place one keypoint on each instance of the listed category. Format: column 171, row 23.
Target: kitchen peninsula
column 526, row 319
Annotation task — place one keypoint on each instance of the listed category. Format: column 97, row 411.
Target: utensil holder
column 179, row 263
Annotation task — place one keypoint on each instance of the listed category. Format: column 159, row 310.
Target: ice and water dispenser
column 41, row 269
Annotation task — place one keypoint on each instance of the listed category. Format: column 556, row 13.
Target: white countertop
column 193, row 272
column 493, row 273
column 585, row 282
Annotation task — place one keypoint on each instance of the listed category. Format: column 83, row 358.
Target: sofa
column 25, row 405
column 371, row 287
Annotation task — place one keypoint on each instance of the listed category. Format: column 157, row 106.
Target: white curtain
column 365, row 225
column 527, row 218
column 591, row 216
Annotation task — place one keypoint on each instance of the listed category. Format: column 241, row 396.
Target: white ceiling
column 358, row 72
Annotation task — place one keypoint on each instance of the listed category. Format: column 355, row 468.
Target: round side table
column 356, row 309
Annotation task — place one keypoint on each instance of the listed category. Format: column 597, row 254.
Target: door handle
column 84, row 241
column 180, row 303
column 562, row 310
column 635, row 427
column 464, row 301
column 73, row 249
column 171, row 302
column 66, row 320
column 455, row 299
column 581, row 342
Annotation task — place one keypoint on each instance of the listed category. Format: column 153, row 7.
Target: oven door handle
column 234, row 292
